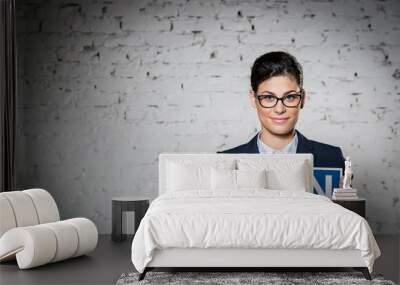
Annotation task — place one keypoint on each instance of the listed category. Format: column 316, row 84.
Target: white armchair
column 32, row 233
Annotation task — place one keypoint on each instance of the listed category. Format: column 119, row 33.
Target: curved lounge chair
column 31, row 231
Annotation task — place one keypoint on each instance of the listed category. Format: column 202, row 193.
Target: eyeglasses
column 291, row 100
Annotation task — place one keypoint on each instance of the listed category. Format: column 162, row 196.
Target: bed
column 245, row 211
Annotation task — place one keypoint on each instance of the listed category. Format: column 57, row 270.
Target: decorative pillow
column 187, row 177
column 251, row 178
column 293, row 179
column 282, row 174
column 223, row 179
column 228, row 179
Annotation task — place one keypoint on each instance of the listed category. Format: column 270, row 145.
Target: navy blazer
column 325, row 155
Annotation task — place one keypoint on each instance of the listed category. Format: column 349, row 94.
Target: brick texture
column 105, row 86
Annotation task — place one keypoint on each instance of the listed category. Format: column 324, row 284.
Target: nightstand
column 138, row 204
column 357, row 205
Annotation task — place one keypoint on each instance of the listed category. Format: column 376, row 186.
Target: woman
column 277, row 95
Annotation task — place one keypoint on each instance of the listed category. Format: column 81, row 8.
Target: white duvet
column 253, row 218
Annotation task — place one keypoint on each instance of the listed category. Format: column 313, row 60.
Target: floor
column 103, row 266
column 111, row 259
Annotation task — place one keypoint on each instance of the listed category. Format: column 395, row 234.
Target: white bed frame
column 249, row 257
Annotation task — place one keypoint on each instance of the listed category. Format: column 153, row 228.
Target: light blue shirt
column 289, row 148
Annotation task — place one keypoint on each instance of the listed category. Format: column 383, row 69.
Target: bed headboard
column 164, row 158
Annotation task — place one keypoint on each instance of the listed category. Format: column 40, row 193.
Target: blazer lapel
column 252, row 146
column 303, row 145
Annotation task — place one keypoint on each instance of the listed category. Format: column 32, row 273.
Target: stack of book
column 344, row 194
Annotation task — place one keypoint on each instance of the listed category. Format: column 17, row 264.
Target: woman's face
column 279, row 120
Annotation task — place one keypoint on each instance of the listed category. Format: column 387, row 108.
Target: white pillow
column 223, row 179
column 293, row 179
column 187, row 177
column 282, row 174
column 251, row 178
column 228, row 179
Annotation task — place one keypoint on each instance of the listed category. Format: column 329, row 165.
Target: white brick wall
column 105, row 86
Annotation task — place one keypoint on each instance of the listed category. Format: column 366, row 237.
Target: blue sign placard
column 325, row 179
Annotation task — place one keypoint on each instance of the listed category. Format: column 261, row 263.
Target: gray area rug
column 228, row 278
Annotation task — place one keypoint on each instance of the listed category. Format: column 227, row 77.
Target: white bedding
column 251, row 218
